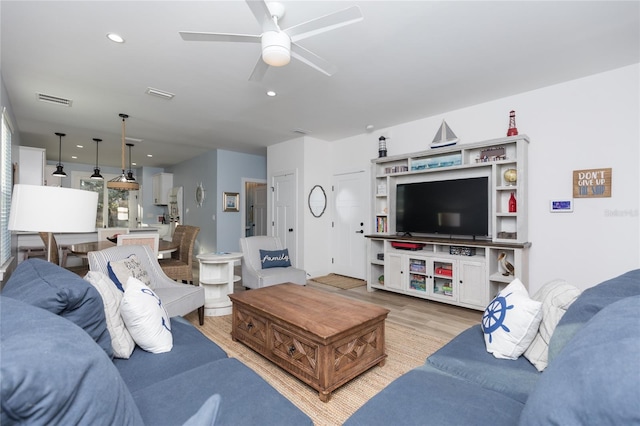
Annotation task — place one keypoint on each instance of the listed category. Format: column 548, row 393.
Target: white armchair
column 253, row 276
column 179, row 299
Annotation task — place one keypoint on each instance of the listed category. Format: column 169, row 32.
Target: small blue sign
column 561, row 206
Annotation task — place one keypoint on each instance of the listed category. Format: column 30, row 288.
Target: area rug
column 406, row 348
column 339, row 281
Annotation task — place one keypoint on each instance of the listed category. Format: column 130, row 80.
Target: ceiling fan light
column 276, row 48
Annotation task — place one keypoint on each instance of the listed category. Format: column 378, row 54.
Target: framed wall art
column 231, row 201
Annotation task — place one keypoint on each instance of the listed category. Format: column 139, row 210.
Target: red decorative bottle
column 512, row 203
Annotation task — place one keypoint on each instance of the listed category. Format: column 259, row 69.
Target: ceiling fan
column 278, row 45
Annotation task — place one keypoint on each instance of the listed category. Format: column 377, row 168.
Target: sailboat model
column 444, row 136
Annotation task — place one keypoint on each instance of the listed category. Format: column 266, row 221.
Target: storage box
column 444, row 271
column 462, row 251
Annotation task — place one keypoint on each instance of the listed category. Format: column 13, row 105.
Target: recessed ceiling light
column 149, row 155
column 79, row 146
column 74, row 157
column 115, row 38
column 159, row 93
column 134, row 164
column 271, row 93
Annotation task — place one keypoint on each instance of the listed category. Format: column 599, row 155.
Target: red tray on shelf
column 406, row 246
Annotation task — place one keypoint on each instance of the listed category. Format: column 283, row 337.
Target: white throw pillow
column 556, row 296
column 121, row 270
column 121, row 340
column 146, row 318
column 511, row 321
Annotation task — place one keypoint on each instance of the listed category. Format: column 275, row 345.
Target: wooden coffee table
column 323, row 339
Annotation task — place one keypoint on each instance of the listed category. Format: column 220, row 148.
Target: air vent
column 159, row 93
column 53, row 99
column 300, row 131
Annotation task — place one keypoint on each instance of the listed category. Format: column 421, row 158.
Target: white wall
column 592, row 122
column 317, row 258
column 288, row 157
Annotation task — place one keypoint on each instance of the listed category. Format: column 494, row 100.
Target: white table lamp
column 52, row 209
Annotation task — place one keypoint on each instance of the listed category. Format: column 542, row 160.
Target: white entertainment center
column 462, row 271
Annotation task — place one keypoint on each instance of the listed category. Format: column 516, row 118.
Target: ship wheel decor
column 495, row 314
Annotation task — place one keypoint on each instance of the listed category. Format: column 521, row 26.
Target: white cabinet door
column 162, row 183
column 31, row 166
column 444, row 284
column 473, row 288
column 394, row 271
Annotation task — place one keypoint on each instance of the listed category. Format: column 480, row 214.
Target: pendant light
column 130, row 177
column 121, row 181
column 96, row 172
column 59, row 168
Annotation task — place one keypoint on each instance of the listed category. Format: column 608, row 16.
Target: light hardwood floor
column 439, row 319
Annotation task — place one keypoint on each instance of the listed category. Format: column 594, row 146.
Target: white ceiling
column 406, row 60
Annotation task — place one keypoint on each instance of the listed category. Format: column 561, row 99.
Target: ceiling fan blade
column 198, row 36
column 313, row 60
column 259, row 70
column 325, row 23
column 263, row 15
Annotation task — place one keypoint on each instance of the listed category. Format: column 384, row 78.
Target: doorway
column 348, row 241
column 254, row 213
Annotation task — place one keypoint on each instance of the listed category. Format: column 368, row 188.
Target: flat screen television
column 458, row 207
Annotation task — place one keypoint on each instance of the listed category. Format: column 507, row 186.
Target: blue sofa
column 593, row 376
column 57, row 366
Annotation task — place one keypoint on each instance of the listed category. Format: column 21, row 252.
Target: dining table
column 81, row 249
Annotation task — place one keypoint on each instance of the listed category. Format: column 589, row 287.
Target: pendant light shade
column 96, row 171
column 59, row 168
column 121, row 182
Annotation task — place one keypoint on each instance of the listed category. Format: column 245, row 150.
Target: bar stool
column 32, row 251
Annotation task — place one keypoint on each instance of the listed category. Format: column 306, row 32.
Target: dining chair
column 179, row 299
column 103, row 233
column 140, row 239
column 180, row 266
column 55, row 254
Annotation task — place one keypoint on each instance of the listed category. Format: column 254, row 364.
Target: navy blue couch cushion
column 421, row 397
column 60, row 291
column 590, row 302
column 595, row 379
column 63, row 380
column 191, row 349
column 466, row 357
column 245, row 398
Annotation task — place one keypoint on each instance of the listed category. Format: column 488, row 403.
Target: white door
column 254, row 213
column 260, row 210
column 284, row 213
column 348, row 241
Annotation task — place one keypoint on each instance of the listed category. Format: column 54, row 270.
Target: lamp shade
column 52, row 209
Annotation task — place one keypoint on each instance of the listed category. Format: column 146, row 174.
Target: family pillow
column 275, row 258
column 511, row 321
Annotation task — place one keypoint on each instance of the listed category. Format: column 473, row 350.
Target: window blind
column 5, row 199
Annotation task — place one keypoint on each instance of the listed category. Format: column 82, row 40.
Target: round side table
column 217, row 278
